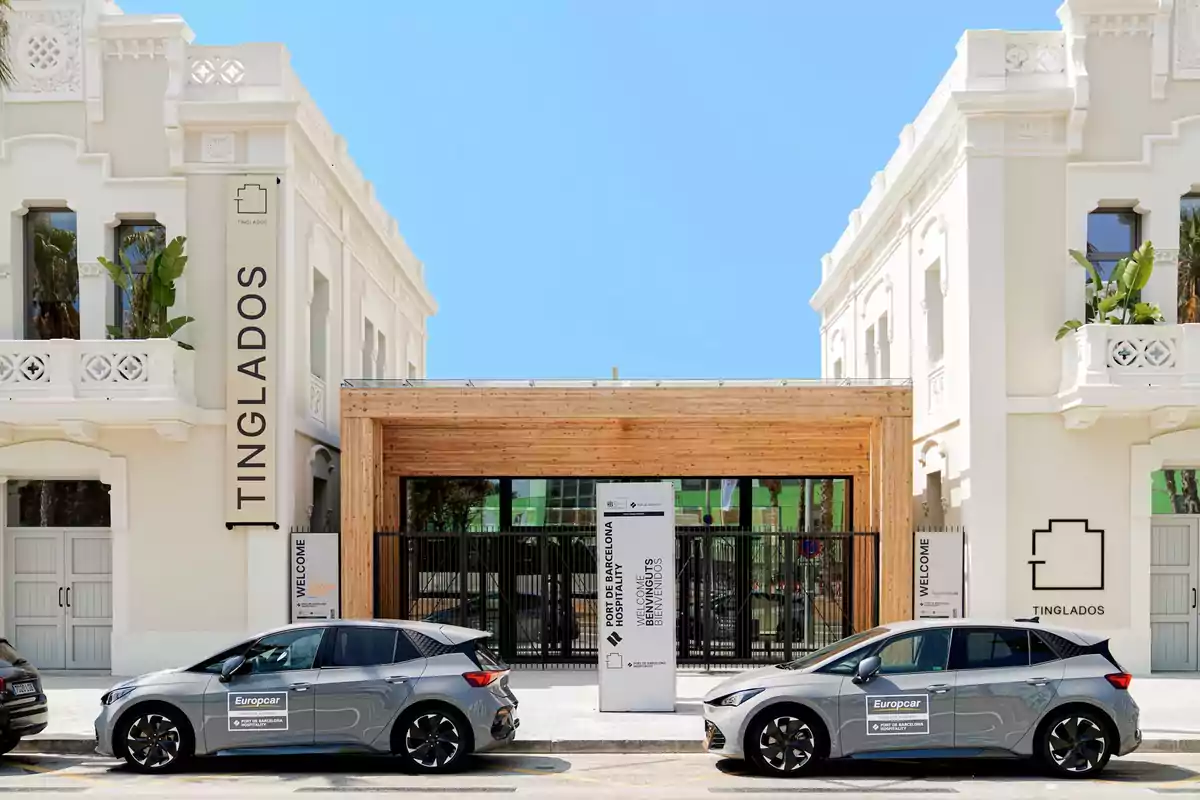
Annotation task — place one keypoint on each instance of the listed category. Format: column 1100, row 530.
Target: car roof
column 446, row 634
column 1079, row 637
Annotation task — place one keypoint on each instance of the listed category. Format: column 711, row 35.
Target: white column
column 1135, row 656
column 1163, row 230
column 979, row 358
column 12, row 264
column 266, row 578
column 93, row 288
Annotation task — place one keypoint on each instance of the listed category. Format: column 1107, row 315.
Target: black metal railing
column 742, row 596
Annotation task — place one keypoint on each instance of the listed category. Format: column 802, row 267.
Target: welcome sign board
column 938, row 575
column 635, row 564
column 314, row 582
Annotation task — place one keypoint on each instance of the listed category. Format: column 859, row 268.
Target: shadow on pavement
column 348, row 766
column 1118, row 771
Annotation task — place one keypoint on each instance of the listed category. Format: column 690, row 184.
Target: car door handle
column 939, row 688
column 299, row 687
column 1038, row 681
column 396, row 678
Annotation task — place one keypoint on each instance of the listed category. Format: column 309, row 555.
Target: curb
column 59, row 745
column 86, row 746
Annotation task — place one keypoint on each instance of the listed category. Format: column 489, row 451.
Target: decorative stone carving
column 1187, row 39
column 217, row 71
column 121, row 49
column 1027, row 57
column 1121, row 24
column 46, row 52
column 1031, row 130
column 218, row 148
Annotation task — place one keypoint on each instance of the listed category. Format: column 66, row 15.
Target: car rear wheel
column 154, row 740
column 785, row 742
column 433, row 740
column 1076, row 744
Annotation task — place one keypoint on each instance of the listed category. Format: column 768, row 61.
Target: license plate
column 19, row 689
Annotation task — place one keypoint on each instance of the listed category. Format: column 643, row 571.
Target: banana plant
column 149, row 295
column 1117, row 301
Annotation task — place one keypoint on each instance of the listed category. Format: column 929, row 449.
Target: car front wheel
column 8, row 743
column 433, row 740
column 785, row 742
column 154, row 740
column 1076, row 744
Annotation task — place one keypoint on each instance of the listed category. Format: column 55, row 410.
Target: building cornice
column 996, row 73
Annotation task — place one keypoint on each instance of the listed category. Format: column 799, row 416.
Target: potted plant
column 1117, row 301
column 149, row 295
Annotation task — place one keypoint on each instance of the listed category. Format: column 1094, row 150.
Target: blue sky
column 647, row 184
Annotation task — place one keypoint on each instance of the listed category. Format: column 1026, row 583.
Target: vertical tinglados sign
column 252, row 366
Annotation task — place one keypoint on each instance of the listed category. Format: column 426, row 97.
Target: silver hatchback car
column 932, row 689
column 430, row 694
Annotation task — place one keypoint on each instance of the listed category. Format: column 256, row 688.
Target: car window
column 284, row 651
column 848, row 664
column 990, row 648
column 1039, row 651
column 486, row 658
column 918, row 651
column 9, row 657
column 840, row 646
column 405, row 650
column 363, row 647
column 213, row 665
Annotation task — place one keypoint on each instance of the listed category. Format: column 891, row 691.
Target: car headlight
column 737, row 698
column 116, row 694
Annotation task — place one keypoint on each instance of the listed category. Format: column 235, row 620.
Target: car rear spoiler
column 1065, row 648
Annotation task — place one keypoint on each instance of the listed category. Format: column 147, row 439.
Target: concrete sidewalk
column 559, row 713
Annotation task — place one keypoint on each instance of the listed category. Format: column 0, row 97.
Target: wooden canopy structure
column 412, row 429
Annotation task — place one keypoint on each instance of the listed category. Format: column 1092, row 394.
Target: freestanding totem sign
column 635, row 565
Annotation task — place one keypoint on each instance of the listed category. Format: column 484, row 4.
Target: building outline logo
column 1093, row 534
column 251, row 199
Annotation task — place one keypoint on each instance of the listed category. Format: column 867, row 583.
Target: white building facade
column 125, row 547
column 1071, row 464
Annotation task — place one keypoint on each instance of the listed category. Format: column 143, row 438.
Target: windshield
column 840, row 646
column 9, row 657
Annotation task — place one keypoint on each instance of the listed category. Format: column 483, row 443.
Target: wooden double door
column 58, row 596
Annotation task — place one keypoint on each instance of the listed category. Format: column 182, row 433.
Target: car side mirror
column 867, row 668
column 231, row 667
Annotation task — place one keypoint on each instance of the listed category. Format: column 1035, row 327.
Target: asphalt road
column 611, row 777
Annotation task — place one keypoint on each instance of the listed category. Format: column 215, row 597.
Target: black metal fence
column 742, row 596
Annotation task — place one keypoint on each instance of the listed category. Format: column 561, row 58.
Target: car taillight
column 1119, row 680
column 481, row 679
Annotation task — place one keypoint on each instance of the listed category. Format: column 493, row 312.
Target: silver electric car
column 932, row 689
column 430, row 694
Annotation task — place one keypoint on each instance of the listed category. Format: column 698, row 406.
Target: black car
column 23, row 709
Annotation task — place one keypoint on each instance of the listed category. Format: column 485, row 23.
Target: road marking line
column 40, row 770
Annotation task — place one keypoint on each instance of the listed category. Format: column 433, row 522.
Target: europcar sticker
column 897, row 714
column 258, row 711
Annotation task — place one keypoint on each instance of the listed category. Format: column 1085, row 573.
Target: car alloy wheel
column 432, row 740
column 1077, row 744
column 786, row 744
column 153, row 741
